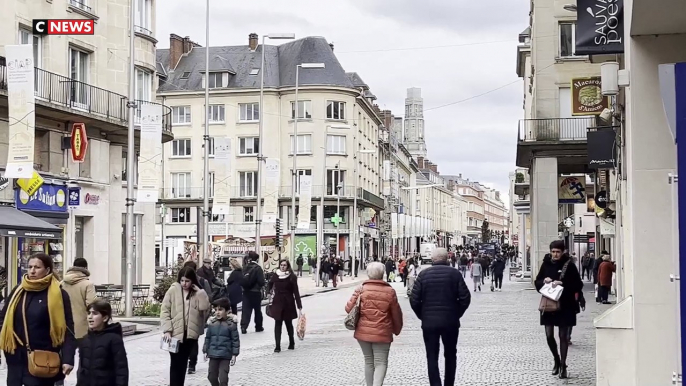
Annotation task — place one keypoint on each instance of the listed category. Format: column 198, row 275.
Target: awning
column 15, row 223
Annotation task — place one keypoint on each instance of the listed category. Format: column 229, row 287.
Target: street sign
column 569, row 222
column 79, row 142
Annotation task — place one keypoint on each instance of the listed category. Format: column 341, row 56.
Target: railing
column 142, row 30
column 554, row 129
column 81, row 5
column 166, row 114
column 346, row 192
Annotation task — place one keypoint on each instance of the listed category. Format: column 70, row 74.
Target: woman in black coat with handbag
column 234, row 291
column 558, row 269
column 282, row 307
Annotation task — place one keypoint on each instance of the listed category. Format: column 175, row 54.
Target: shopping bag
column 391, row 276
column 301, row 327
column 550, row 292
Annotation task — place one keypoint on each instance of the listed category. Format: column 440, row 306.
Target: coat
column 572, row 284
column 286, row 296
column 390, row 266
column 498, row 266
column 476, row 270
column 253, row 278
column 233, row 286
column 102, row 358
column 222, row 340
column 81, row 293
column 440, row 297
column 605, row 273
column 38, row 325
column 380, row 314
column 172, row 317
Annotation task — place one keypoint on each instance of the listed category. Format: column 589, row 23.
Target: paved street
column 500, row 343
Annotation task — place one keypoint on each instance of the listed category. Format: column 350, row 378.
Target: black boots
column 563, row 372
column 291, row 343
column 556, row 369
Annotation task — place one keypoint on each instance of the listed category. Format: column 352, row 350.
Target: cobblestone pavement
column 500, row 343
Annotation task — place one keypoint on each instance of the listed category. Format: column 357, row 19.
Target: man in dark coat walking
column 439, row 299
column 253, row 281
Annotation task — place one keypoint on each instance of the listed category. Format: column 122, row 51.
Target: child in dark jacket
column 102, row 356
column 222, row 343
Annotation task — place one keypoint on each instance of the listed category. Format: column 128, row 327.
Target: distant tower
column 414, row 123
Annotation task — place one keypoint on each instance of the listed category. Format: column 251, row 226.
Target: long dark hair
column 188, row 273
column 288, row 263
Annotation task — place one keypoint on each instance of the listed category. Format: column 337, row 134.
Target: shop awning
column 15, row 223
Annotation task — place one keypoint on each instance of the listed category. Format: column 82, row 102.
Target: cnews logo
column 63, row 27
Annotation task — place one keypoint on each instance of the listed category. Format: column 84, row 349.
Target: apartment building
column 439, row 206
column 78, row 211
column 473, row 193
column 495, row 212
column 337, row 142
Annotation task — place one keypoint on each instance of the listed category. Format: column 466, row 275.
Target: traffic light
column 278, row 240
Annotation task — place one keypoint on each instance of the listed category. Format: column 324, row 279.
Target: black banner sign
column 599, row 27
column 601, row 148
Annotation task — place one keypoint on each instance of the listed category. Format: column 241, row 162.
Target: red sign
column 63, row 27
column 79, row 142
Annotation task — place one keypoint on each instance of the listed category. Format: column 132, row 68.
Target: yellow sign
column 31, row 185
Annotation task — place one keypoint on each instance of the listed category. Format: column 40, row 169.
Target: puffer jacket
column 172, row 313
column 221, row 339
column 102, row 358
column 380, row 313
column 81, row 293
column 440, row 297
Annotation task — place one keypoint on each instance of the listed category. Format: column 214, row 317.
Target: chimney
column 420, row 162
column 331, row 45
column 175, row 50
column 434, row 168
column 252, row 41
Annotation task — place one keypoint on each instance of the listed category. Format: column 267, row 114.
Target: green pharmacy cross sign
column 336, row 220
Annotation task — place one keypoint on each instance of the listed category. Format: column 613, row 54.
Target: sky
column 454, row 50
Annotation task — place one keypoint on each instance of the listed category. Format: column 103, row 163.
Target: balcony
column 346, row 193
column 561, row 138
column 522, row 183
column 371, row 198
column 194, row 195
column 59, row 98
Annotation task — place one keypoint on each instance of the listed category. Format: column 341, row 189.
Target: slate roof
column 280, row 66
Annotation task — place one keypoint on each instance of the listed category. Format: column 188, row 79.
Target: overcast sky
column 452, row 49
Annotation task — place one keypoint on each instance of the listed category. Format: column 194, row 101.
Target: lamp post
column 294, row 172
column 206, row 145
column 355, row 219
column 339, row 187
column 130, row 166
column 260, row 157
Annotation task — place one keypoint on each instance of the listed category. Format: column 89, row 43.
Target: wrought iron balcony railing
column 554, row 129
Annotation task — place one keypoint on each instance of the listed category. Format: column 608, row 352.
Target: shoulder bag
column 42, row 364
column 547, row 304
column 353, row 317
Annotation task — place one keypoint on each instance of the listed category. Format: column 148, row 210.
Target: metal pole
column 321, row 203
column 260, row 160
column 338, row 211
column 206, row 138
column 163, row 248
column 130, row 166
column 294, row 172
column 355, row 228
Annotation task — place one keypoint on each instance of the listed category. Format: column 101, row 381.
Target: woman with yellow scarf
column 39, row 307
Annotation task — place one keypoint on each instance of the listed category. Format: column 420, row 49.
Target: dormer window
column 186, row 75
column 254, row 71
column 218, row 79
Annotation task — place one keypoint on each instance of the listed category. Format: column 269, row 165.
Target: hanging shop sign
column 571, row 190
column 48, row 198
column 601, row 199
column 74, row 196
column 601, row 148
column 79, row 142
column 31, row 185
column 587, row 96
column 91, row 199
column 599, row 27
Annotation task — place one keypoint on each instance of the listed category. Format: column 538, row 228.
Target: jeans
column 375, row 362
column 432, row 340
column 179, row 362
column 252, row 301
column 498, row 280
column 218, row 372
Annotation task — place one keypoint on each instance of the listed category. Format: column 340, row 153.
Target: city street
column 500, row 343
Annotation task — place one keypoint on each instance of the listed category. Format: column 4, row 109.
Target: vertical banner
column 305, row 190
column 599, row 27
column 22, row 117
column 271, row 190
column 150, row 158
column 401, row 225
column 394, row 226
column 221, row 202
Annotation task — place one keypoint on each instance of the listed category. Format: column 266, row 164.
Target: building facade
column 81, row 79
column 414, row 138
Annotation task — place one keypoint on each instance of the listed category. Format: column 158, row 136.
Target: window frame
column 188, row 147
column 248, row 214
column 143, row 18
column 242, row 142
column 179, row 191
column 147, row 78
column 331, row 108
column 306, row 109
column 254, row 115
column 211, row 185
column 214, row 75
column 210, row 148
column 331, row 141
column 187, row 115
column 336, row 175
column 220, row 110
column 244, row 189
column 307, row 144
column 187, row 215
column 299, row 173
column 572, row 55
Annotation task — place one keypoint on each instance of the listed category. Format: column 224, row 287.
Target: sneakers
column 479, row 288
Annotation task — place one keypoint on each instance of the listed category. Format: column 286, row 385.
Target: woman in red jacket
column 605, row 271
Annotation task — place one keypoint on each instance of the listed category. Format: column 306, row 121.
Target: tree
column 519, row 178
column 485, row 236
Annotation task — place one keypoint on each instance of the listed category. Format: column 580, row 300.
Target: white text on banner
column 221, row 202
column 305, row 202
column 22, row 117
column 271, row 190
column 150, row 158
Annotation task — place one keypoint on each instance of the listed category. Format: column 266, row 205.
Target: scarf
column 58, row 325
column 282, row 275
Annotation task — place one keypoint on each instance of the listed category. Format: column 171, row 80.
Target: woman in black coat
column 286, row 296
column 234, row 291
column 565, row 318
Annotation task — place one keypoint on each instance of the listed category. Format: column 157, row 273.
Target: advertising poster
column 22, row 117
column 221, row 202
column 150, row 158
column 305, row 202
column 271, row 190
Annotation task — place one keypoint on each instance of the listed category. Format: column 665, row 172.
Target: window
column 304, row 110
column 124, row 166
column 181, row 115
column 210, row 147
column 211, row 185
column 301, row 172
column 181, row 185
column 249, row 112
column 26, row 37
column 216, row 79
column 335, row 144
column 81, row 4
column 334, row 179
column 181, row 148
column 335, row 110
column 248, row 184
column 248, row 146
column 330, row 212
column 567, row 39
column 78, row 65
column 216, row 113
column 143, row 85
column 304, row 144
column 143, row 17
column 248, row 214
column 218, row 218
column 180, row 215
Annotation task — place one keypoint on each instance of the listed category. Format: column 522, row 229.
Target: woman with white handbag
column 558, row 281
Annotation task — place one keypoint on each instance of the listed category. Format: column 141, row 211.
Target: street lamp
column 260, row 158
column 339, row 187
column 356, row 227
column 295, row 150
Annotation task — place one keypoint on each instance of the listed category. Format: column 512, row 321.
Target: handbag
column 301, row 326
column 268, row 308
column 42, row 364
column 353, row 317
column 550, row 296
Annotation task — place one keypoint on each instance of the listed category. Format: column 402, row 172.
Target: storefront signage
column 31, row 185
column 599, row 27
column 601, row 199
column 74, row 196
column 91, row 199
column 32, row 234
column 571, row 190
column 601, row 148
column 587, row 96
column 49, row 198
column 79, row 142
